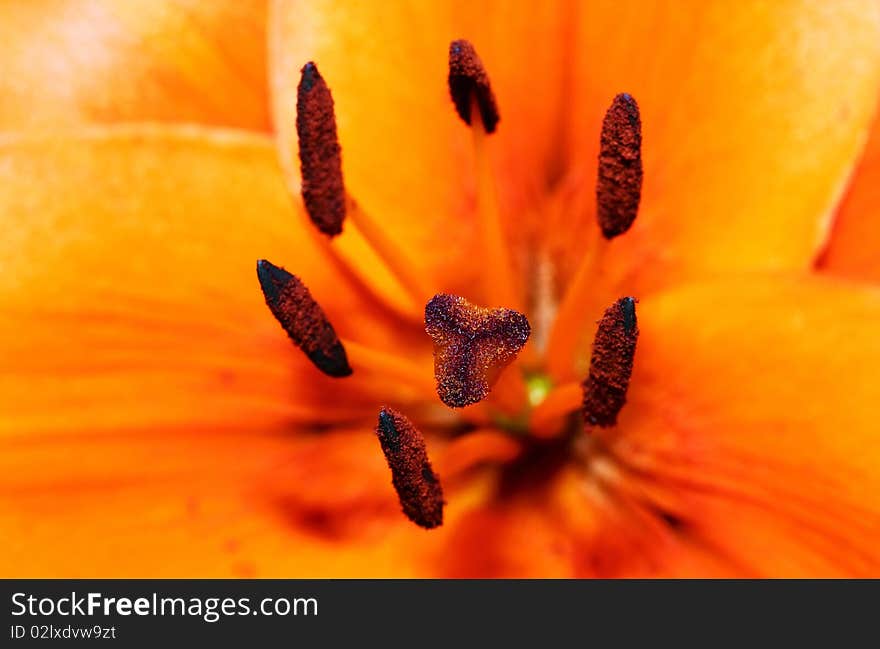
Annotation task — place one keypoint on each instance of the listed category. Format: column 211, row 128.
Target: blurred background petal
column 752, row 416
column 135, row 303
column 854, row 247
column 156, row 505
column 407, row 156
column 754, row 115
column 88, row 61
column 751, row 128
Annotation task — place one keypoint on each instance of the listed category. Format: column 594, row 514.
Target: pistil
column 472, row 345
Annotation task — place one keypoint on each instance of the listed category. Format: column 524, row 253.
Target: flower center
column 473, row 345
column 538, row 386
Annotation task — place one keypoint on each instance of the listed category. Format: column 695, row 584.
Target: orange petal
column 240, row 503
column 475, row 449
column 502, row 542
column 570, row 526
column 753, row 114
column 854, row 247
column 751, row 418
column 130, row 295
column 408, row 158
column 211, row 504
column 171, row 60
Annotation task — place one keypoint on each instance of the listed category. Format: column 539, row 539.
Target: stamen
column 469, row 83
column 471, row 93
column 575, row 309
column 472, row 345
column 303, row 319
column 498, row 275
column 323, row 191
column 389, row 366
column 417, row 486
column 619, row 184
column 611, row 364
column 395, row 256
column 618, row 191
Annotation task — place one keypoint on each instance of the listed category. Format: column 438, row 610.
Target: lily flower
column 546, row 276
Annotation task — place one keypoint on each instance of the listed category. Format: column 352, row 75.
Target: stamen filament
column 618, row 192
column 574, row 313
column 471, row 93
column 390, row 366
column 498, row 274
column 323, row 189
column 562, row 401
column 399, row 313
column 478, row 448
column 395, row 258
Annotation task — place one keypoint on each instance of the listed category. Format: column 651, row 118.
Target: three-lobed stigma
column 472, row 345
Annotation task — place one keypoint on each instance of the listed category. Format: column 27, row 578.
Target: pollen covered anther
column 472, row 345
column 619, row 184
column 611, row 364
column 417, row 486
column 469, row 85
column 323, row 190
column 303, row 319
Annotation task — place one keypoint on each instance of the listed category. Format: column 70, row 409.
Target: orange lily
column 156, row 422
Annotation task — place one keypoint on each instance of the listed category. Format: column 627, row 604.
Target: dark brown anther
column 472, row 345
column 469, row 85
column 611, row 364
column 303, row 319
column 619, row 186
column 417, row 486
column 320, row 156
